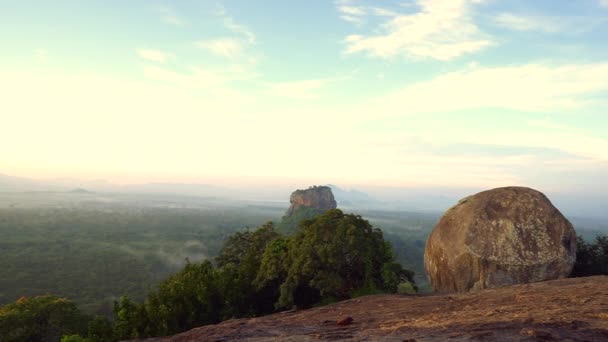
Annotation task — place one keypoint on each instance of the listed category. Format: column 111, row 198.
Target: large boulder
column 499, row 237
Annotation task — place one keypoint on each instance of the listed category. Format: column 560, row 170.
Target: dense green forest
column 94, row 254
column 258, row 272
column 115, row 259
column 332, row 257
column 591, row 257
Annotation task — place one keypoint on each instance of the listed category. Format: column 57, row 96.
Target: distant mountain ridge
column 420, row 199
column 20, row 184
column 352, row 197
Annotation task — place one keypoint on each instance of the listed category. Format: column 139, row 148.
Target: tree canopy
column 41, row 318
column 591, row 257
column 331, row 257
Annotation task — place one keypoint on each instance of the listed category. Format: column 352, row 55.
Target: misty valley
column 105, row 252
column 93, row 248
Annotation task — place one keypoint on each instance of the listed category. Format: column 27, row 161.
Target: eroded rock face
column 317, row 197
column 499, row 237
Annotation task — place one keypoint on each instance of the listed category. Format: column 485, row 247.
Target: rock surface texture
column 561, row 310
column 499, row 237
column 317, row 197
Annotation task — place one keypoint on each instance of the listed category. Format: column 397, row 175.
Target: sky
column 418, row 93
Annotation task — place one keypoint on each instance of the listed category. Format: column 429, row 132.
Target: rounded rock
column 499, row 237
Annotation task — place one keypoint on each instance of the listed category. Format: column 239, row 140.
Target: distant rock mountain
column 315, row 197
column 81, row 191
column 306, row 204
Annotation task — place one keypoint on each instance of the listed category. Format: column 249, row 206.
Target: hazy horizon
column 462, row 94
column 391, row 198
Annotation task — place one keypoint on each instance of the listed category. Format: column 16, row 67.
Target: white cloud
column 547, row 123
column 430, row 170
column 42, row 55
column 301, row 90
column 532, row 87
column 218, row 138
column 441, row 30
column 169, row 16
column 235, row 27
column 156, row 129
column 216, row 82
column 592, row 148
column 603, row 3
column 173, row 20
column 382, row 12
column 161, row 132
column 353, row 14
column 358, row 14
column 197, row 78
column 152, row 55
column 351, row 10
column 527, row 23
column 530, row 156
column 225, row 47
column 572, row 24
column 233, row 46
column 352, row 19
column 308, row 89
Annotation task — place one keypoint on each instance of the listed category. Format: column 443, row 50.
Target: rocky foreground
column 561, row 310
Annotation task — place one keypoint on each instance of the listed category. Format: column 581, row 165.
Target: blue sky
column 454, row 93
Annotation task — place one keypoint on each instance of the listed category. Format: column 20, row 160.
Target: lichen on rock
column 499, row 237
